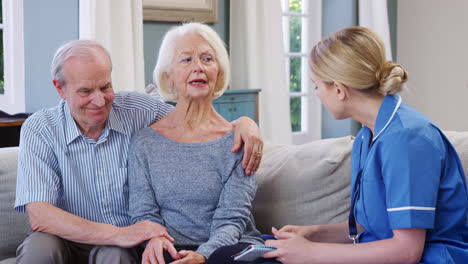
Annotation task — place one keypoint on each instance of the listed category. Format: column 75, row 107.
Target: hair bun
column 391, row 78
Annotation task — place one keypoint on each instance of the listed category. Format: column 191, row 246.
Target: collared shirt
column 411, row 178
column 88, row 178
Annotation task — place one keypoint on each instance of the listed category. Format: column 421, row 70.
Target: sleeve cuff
column 206, row 251
column 412, row 219
column 21, row 202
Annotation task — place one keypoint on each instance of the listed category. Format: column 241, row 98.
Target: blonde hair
column 355, row 57
column 167, row 53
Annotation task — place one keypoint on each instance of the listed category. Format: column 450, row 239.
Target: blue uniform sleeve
column 38, row 174
column 233, row 211
column 411, row 169
column 142, row 201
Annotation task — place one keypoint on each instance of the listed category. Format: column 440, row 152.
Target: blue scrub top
column 411, row 178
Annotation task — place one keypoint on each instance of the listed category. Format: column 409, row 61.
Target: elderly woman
column 183, row 174
column 409, row 198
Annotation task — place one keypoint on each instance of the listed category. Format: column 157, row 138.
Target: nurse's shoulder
column 413, row 125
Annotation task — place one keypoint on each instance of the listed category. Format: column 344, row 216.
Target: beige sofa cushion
column 13, row 225
column 303, row 184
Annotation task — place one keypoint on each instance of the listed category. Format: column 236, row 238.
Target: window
column 302, row 29
column 12, row 57
column 2, row 78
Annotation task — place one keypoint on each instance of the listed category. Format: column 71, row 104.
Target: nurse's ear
column 341, row 90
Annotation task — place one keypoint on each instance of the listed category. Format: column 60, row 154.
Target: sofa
column 300, row 184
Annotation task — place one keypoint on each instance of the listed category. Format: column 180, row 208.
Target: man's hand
column 190, row 257
column 247, row 132
column 154, row 251
column 133, row 235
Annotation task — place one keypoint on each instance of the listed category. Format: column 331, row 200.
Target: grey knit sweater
column 198, row 191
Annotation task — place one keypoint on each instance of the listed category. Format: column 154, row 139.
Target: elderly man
column 72, row 171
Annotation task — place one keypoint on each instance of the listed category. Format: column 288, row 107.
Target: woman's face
column 328, row 95
column 194, row 69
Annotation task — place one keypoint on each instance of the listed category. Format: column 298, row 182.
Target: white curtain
column 257, row 59
column 118, row 26
column 373, row 14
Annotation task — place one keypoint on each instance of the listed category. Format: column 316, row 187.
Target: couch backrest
column 309, row 184
column 303, row 184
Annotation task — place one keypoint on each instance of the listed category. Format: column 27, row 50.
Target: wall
column 153, row 32
column 50, row 23
column 392, row 6
column 47, row 25
column 432, row 46
column 337, row 14
column 46, row 29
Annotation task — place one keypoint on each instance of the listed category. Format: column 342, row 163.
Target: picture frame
column 205, row 11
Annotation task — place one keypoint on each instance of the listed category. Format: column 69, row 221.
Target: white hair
column 75, row 48
column 167, row 53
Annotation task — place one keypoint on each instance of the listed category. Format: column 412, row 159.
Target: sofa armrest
column 14, row 226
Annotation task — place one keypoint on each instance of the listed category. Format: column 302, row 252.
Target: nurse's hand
column 307, row 232
column 336, row 233
column 290, row 248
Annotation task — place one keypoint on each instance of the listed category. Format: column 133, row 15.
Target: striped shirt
column 59, row 165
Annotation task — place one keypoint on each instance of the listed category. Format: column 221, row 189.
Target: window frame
column 311, row 109
column 13, row 99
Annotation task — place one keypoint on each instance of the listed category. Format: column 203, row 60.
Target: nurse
column 409, row 197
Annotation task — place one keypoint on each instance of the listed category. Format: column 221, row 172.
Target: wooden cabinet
column 236, row 103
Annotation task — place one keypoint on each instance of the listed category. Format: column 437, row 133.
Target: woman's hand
column 307, row 232
column 247, row 132
column 335, row 233
column 154, row 251
column 190, row 257
column 290, row 248
column 406, row 246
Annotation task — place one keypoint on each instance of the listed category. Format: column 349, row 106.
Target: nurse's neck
column 365, row 108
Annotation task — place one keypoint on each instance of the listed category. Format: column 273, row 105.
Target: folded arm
column 232, row 213
column 47, row 218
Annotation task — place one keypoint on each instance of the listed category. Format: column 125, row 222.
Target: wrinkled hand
column 133, row 235
column 290, row 248
column 190, row 257
column 304, row 231
column 154, row 251
column 247, row 132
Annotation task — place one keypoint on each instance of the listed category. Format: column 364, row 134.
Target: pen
column 269, row 237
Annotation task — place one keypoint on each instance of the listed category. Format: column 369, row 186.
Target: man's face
column 88, row 91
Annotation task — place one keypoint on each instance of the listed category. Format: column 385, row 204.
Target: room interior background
column 431, row 43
